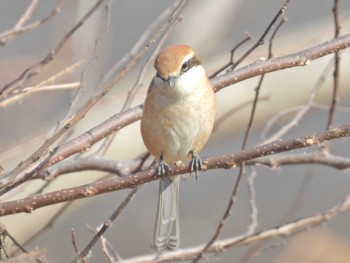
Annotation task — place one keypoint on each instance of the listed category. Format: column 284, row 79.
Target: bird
column 177, row 121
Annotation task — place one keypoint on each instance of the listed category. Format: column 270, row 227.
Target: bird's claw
column 196, row 165
column 163, row 168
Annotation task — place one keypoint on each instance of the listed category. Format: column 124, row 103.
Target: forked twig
column 249, row 128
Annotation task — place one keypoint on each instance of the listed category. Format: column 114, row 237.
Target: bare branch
column 297, row 59
column 6, row 100
column 142, row 41
column 302, row 110
column 231, row 61
column 118, row 121
column 74, row 242
column 28, row 163
column 132, row 92
column 34, row 69
column 90, row 62
column 20, row 26
column 107, row 224
column 252, row 203
column 91, row 163
column 5, row 233
column 249, row 129
column 48, row 225
column 260, row 41
column 336, row 162
column 228, row 161
column 106, row 246
column 58, row 155
column 335, row 98
column 217, row 247
column 31, row 256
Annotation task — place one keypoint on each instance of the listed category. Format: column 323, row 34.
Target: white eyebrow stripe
column 186, row 58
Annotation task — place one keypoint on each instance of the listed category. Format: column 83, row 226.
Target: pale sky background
column 212, row 28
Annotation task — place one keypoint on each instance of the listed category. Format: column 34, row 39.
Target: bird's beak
column 171, row 81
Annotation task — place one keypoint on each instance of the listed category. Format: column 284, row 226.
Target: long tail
column 167, row 228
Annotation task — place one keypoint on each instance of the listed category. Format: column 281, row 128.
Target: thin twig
column 11, row 176
column 31, row 256
column 29, row 90
column 141, row 42
column 34, row 69
column 252, row 203
column 261, row 39
column 18, row 94
column 75, row 246
column 107, row 224
column 336, row 162
column 231, row 61
column 280, row 231
column 118, row 121
column 20, row 26
column 48, row 225
column 256, row 250
column 91, row 62
column 335, row 98
column 301, row 58
column 301, row 110
column 106, row 246
column 141, row 160
column 31, row 70
column 166, row 35
column 228, row 161
column 18, row 245
column 91, row 163
column 133, row 91
column 249, row 128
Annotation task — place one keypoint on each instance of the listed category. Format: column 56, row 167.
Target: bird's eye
column 185, row 66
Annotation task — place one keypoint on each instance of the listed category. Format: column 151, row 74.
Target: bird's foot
column 196, row 165
column 163, row 168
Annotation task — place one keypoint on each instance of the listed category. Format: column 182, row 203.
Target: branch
column 301, row 58
column 228, row 161
column 6, row 100
column 20, row 26
column 107, row 224
column 336, row 162
column 91, row 163
column 335, row 97
column 75, row 145
column 118, row 121
column 124, row 168
column 218, row 246
column 301, row 111
column 233, row 198
column 21, row 170
column 33, row 70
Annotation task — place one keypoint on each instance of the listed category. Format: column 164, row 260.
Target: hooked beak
column 171, row 81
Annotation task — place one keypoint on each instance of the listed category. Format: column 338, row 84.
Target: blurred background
column 212, row 28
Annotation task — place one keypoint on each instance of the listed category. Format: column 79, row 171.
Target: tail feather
column 167, row 232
